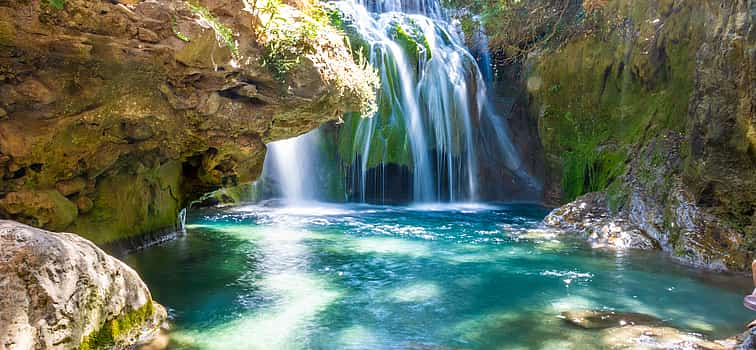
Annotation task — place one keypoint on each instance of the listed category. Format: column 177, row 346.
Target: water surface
column 438, row 277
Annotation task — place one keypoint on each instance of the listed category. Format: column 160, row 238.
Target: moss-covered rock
column 62, row 292
column 652, row 102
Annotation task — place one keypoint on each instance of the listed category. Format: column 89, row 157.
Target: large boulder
column 59, row 291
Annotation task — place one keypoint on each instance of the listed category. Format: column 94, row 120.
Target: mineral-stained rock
column 151, row 104
column 59, row 291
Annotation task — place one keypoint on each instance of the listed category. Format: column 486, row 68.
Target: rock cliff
column 653, row 102
column 116, row 114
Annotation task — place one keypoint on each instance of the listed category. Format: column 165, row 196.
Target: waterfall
column 182, row 220
column 435, row 117
column 293, row 163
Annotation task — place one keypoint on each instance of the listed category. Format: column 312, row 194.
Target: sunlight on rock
column 646, row 337
column 539, row 234
column 416, row 293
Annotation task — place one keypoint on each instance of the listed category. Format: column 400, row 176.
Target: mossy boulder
column 60, row 291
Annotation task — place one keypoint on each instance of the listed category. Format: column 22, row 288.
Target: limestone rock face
column 652, row 102
column 59, row 291
column 115, row 114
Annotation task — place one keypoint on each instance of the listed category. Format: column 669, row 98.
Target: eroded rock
column 655, row 107
column 59, row 291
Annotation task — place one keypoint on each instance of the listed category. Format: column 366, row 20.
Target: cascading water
column 293, row 163
column 434, row 119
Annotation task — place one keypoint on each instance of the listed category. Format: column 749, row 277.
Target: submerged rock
column 601, row 319
column 650, row 337
column 630, row 330
column 59, row 291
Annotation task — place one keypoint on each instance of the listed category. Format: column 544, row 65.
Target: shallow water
column 438, row 277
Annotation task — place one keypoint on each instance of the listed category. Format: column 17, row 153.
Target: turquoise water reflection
column 371, row 277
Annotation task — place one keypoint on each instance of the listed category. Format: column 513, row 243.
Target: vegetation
column 285, row 43
column 595, row 136
column 412, row 40
column 57, row 4
column 515, row 27
column 176, row 32
column 223, row 33
column 113, row 330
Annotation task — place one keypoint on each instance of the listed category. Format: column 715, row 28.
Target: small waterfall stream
column 435, row 118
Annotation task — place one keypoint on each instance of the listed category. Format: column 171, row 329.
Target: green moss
column 7, row 35
column 56, row 4
column 224, row 33
column 613, row 103
column 129, row 204
column 287, row 43
column 176, row 32
column 412, row 40
column 113, row 330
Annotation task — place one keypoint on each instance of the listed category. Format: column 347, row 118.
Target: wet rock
column 590, row 217
column 650, row 337
column 601, row 319
column 670, row 135
column 59, row 291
